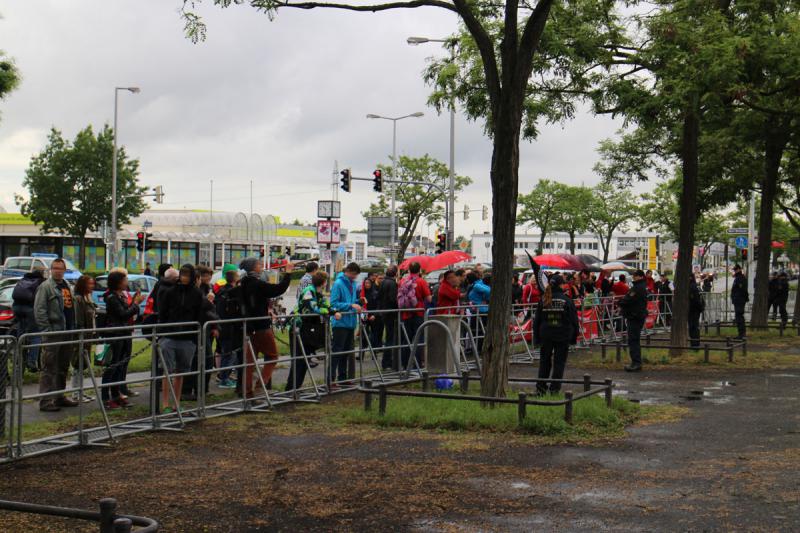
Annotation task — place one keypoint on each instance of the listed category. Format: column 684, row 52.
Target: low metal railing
column 107, row 518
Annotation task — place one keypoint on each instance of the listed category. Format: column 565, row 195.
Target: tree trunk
column 572, row 242
column 540, row 248
column 82, row 252
column 775, row 142
column 505, row 185
column 796, row 319
column 679, row 332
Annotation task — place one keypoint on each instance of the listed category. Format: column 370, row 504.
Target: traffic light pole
column 394, row 183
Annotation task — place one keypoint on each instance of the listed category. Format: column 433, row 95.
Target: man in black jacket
column 23, row 296
column 696, row 308
column 387, row 299
column 182, row 303
column 739, row 297
column 256, row 296
column 782, row 296
column 555, row 327
column 634, row 310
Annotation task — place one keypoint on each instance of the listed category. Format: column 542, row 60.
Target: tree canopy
column 69, row 185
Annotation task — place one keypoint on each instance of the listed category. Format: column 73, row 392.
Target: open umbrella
column 429, row 263
column 560, row 261
column 615, row 265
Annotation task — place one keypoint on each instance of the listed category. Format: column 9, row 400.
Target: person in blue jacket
column 479, row 292
column 344, row 305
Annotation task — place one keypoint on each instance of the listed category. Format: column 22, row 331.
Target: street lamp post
column 114, row 253
column 393, row 230
column 414, row 41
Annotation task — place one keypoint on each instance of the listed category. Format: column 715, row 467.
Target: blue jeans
column 342, row 340
column 27, row 324
column 230, row 354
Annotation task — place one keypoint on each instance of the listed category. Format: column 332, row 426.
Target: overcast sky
column 276, row 102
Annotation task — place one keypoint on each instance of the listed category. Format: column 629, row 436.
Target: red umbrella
column 429, row 263
column 562, row 261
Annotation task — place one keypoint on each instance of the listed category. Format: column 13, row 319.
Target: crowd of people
column 240, row 318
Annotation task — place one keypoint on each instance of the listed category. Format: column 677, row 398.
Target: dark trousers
column 635, row 326
column 694, row 329
column 117, row 368
column 411, row 325
column 299, row 365
column 342, row 340
column 738, row 310
column 552, row 362
column 191, row 385
column 780, row 303
column 55, row 365
column 390, row 325
column 26, row 323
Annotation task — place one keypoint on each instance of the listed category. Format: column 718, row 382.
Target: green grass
column 591, row 417
column 659, row 358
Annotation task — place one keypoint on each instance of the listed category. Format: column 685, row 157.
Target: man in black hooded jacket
column 634, row 310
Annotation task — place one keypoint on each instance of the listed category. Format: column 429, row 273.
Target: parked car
column 21, row 265
column 136, row 282
column 7, row 321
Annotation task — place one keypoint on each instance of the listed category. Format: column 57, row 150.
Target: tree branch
column 531, row 35
column 411, row 4
column 486, row 49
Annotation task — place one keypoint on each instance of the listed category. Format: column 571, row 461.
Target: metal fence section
column 107, row 518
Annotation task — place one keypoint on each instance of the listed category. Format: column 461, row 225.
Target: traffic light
column 744, row 254
column 441, row 242
column 378, row 179
column 148, row 241
column 140, row 241
column 345, row 180
column 159, row 194
column 485, row 213
column 466, row 212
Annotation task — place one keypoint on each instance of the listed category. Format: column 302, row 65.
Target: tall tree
column 69, row 185
column 572, row 217
column 416, row 202
column 508, row 47
column 612, row 210
column 541, row 207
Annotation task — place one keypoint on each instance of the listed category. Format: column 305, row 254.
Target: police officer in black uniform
column 555, row 327
column 696, row 308
column 782, row 295
column 739, row 297
column 634, row 310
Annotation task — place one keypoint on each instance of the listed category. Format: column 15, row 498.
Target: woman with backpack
column 412, row 296
column 307, row 334
column 555, row 327
column 85, row 318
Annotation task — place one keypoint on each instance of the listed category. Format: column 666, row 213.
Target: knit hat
column 228, row 268
column 249, row 264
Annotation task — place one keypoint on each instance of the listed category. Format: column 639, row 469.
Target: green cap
column 229, row 268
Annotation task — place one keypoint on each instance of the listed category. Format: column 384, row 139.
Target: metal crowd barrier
column 382, row 353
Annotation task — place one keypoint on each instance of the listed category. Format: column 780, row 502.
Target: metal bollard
column 744, row 347
column 603, row 352
column 464, row 381
column 368, row 397
column 780, row 329
column 108, row 508
column 619, row 352
column 647, row 339
column 609, row 388
column 425, row 383
column 568, row 407
column 705, row 353
column 381, row 400
column 587, row 382
column 122, row 525
column 719, row 328
column 521, row 407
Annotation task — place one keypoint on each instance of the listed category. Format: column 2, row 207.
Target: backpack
column 229, row 303
column 25, row 290
column 407, row 293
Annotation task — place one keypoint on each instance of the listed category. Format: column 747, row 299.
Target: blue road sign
column 741, row 242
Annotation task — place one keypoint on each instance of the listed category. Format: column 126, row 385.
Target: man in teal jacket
column 344, row 305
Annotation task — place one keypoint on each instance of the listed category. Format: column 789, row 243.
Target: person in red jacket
column 531, row 294
column 651, row 283
column 620, row 288
column 448, row 295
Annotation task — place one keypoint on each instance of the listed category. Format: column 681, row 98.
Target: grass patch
column 591, row 417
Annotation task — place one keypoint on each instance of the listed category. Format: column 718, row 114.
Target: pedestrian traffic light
column 378, row 179
column 744, row 254
column 140, row 241
column 485, row 213
column 441, row 242
column 466, row 212
column 346, row 176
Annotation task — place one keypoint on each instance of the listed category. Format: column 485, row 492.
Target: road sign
column 147, row 224
column 329, row 209
column 328, row 231
column 738, row 231
column 741, row 242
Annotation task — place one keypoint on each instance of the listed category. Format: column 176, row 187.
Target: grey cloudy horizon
column 274, row 102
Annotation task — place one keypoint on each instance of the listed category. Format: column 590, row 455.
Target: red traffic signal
column 377, row 180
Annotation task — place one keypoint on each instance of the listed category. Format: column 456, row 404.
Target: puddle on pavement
column 784, row 375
